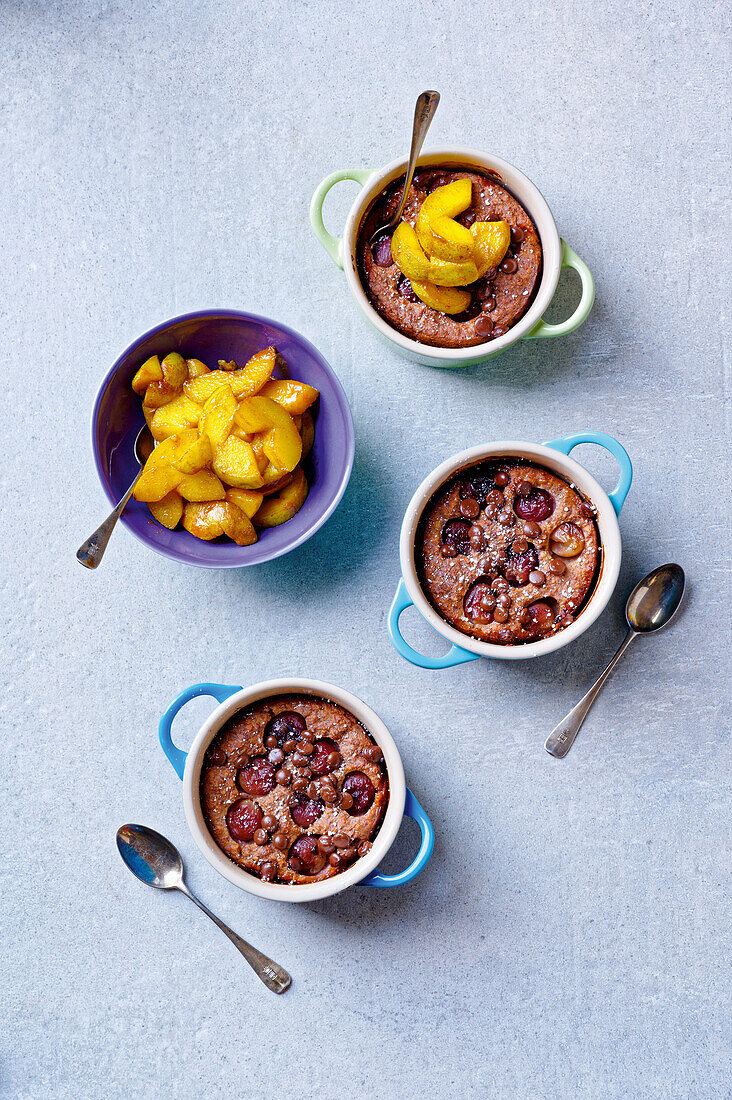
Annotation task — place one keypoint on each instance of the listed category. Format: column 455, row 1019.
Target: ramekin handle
column 332, row 245
column 617, row 450
column 176, row 756
column 543, row 328
column 412, row 809
column 455, row 656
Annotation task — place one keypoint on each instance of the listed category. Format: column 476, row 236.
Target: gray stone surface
column 569, row 934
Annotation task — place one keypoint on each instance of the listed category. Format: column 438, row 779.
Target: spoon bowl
column 150, row 857
column 655, row 600
column 144, row 445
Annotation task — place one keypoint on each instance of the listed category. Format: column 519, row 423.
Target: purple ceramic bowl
column 211, row 335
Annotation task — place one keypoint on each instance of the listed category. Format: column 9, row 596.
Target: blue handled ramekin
column 553, row 456
column 364, row 871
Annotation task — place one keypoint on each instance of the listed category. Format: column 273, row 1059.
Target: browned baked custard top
column 508, row 552
column 498, row 300
column 294, row 789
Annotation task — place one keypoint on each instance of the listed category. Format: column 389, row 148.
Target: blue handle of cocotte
column 412, row 809
column 617, row 450
column 455, row 656
column 176, row 756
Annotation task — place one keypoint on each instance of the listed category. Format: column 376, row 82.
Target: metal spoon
column 424, row 112
column 91, row 552
column 651, row 605
column 157, row 863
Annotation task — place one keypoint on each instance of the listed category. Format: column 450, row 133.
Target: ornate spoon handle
column 274, row 976
column 562, row 737
column 91, row 552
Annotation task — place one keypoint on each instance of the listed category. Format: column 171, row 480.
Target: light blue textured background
column 568, row 938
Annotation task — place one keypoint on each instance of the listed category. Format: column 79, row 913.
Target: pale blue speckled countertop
column 568, row 937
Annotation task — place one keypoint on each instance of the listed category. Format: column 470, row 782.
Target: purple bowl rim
column 238, row 314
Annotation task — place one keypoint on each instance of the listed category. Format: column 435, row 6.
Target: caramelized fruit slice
column 282, row 444
column 446, row 299
column 450, row 199
column 246, row 500
column 237, row 525
column 173, row 418
column 283, row 448
column 450, row 240
column 202, row 387
column 202, row 486
column 258, row 414
column 156, row 482
column 192, row 454
column 446, row 201
column 424, row 233
column 150, row 371
column 257, row 442
column 196, row 368
column 218, row 416
column 490, row 243
column 274, row 480
column 293, row 396
column 407, row 252
column 158, row 394
column 249, row 379
column 307, row 433
column 283, row 506
column 447, row 273
column 163, row 454
column 235, row 463
column 203, row 519
column 175, row 370
column 168, row 510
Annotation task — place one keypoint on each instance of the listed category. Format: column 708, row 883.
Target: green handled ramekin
column 556, row 254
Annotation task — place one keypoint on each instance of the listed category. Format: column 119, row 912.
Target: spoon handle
column 274, row 977
column 91, row 552
column 562, row 737
column 424, row 112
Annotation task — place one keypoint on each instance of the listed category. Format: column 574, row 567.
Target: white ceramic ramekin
column 364, row 871
column 553, row 456
column 556, row 253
